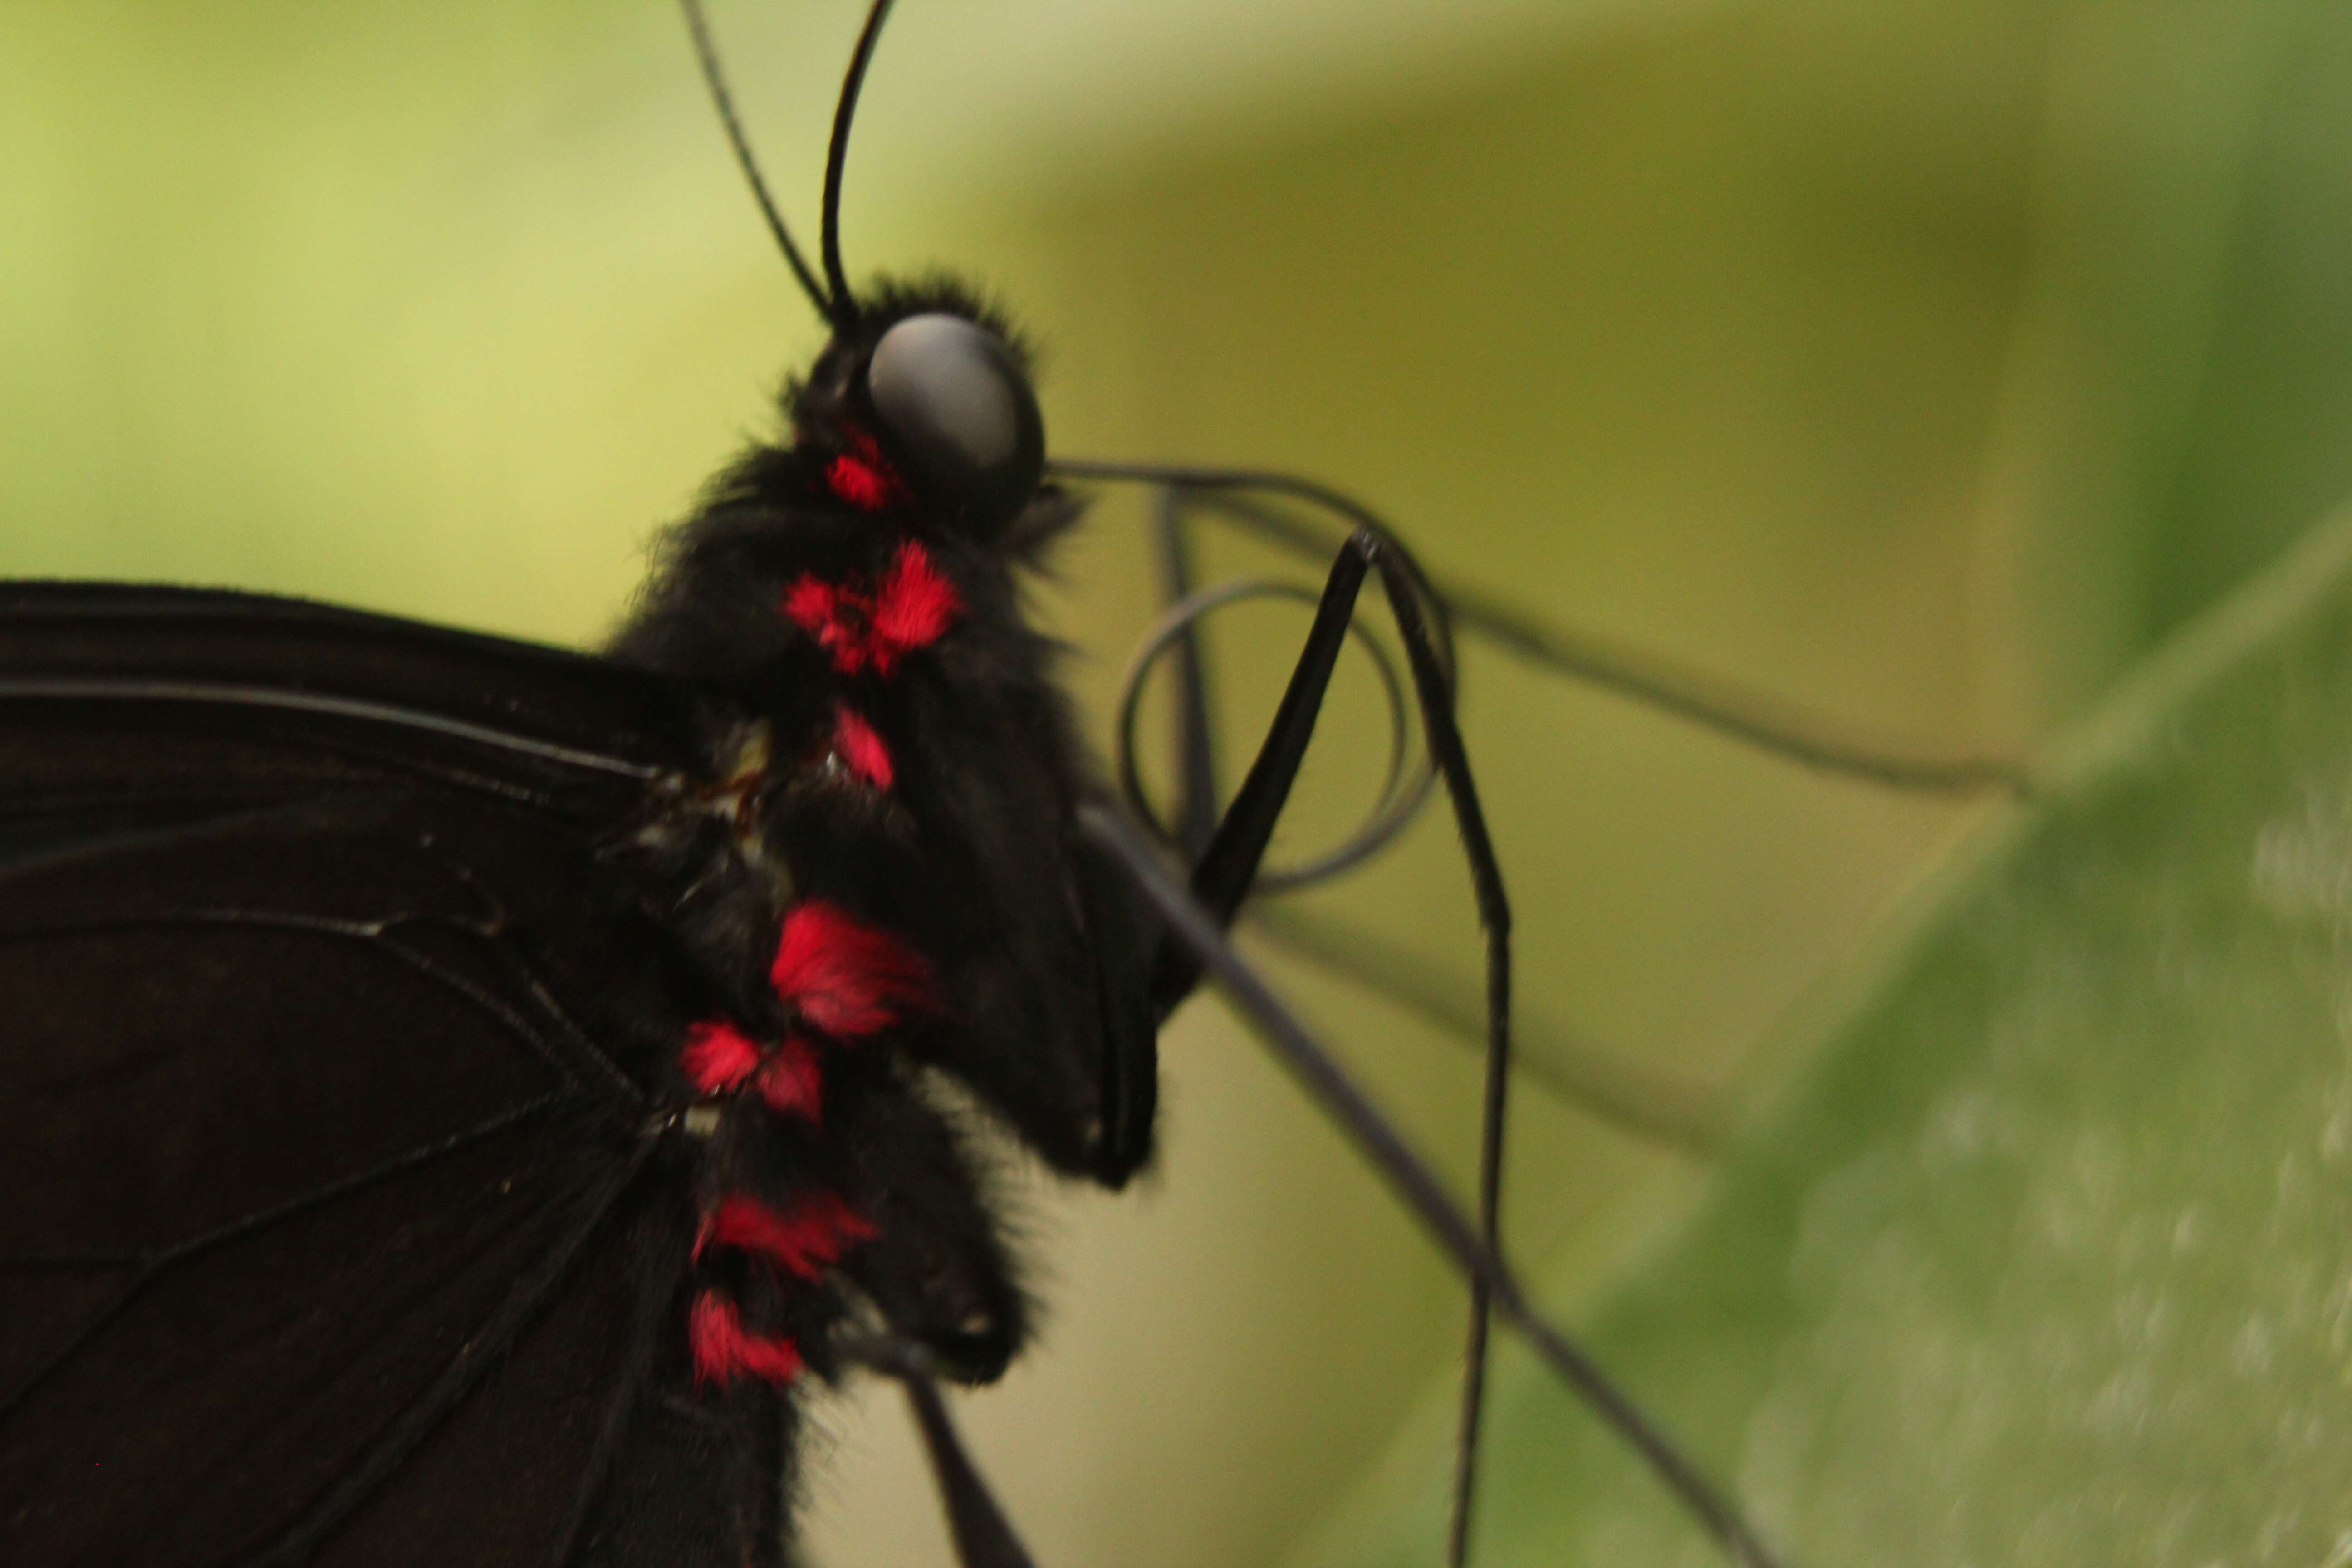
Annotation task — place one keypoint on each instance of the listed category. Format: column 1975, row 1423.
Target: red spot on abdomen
column 861, row 748
column 791, row 1083
column 719, row 1058
column 724, row 1349
column 845, row 978
column 804, row 1241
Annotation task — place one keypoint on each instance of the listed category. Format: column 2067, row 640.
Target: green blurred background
column 1924, row 361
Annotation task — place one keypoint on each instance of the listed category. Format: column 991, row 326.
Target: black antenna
column 709, row 55
column 838, row 153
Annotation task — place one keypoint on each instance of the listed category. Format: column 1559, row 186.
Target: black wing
column 336, row 1223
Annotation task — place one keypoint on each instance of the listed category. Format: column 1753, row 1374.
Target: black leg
column 1405, row 591
column 1223, row 874
column 1596, row 1079
column 1410, row 1178
column 1221, row 877
column 1742, row 714
column 1194, row 938
column 984, row 1537
column 1196, row 755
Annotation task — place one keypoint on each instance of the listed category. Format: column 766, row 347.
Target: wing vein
column 89, row 689
column 473, row 1361
column 374, row 936
column 153, row 1265
column 658, row 1287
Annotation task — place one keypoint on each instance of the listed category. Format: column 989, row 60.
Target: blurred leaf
column 2266, row 452
column 2049, row 1259
column 2176, row 382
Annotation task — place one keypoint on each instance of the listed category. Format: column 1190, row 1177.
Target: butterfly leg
column 983, row 1536
column 1227, row 865
column 1224, row 872
column 1198, row 929
column 1194, row 939
column 1196, row 755
column 1123, row 942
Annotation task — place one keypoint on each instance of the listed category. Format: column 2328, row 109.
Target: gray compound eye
column 960, row 417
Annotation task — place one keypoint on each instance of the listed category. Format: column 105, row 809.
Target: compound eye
column 960, row 417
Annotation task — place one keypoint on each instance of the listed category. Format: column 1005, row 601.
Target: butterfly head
column 926, row 395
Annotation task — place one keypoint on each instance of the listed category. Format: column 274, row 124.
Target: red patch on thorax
column 845, row 978
column 863, row 477
column 875, row 628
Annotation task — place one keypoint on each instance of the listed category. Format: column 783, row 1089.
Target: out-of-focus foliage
column 2046, row 1261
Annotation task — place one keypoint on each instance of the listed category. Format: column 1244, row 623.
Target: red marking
column 819, row 1228
column 845, row 978
column 911, row 607
column 820, row 609
column 724, row 1351
column 791, row 1083
column 863, row 477
column 860, row 747
column 916, row 604
column 719, row 1058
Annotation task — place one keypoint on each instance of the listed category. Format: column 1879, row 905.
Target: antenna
column 845, row 311
column 838, row 153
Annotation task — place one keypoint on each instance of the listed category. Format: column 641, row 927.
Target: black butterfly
column 509, row 1069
